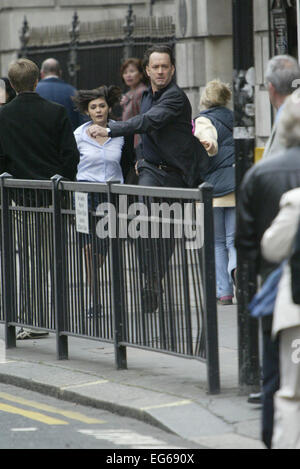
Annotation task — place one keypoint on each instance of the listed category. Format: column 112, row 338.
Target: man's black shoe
column 25, row 334
column 255, row 398
column 150, row 300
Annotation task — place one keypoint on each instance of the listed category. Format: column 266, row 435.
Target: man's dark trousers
column 270, row 380
column 155, row 254
column 150, row 175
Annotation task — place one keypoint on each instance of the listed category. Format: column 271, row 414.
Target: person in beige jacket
column 277, row 244
column 214, row 129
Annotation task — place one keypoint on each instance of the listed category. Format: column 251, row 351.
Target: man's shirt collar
column 51, row 76
column 157, row 94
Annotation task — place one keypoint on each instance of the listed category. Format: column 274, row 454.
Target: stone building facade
column 202, row 28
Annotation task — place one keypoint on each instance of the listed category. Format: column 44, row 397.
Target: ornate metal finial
column 74, row 33
column 128, row 26
column 24, row 38
column 128, row 29
column 75, row 29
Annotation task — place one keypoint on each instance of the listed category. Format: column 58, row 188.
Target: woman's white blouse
column 98, row 163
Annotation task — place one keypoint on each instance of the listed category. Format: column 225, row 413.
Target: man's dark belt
column 165, row 167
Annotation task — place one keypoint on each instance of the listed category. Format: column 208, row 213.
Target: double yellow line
column 40, row 417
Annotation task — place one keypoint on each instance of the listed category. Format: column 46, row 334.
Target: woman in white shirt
column 101, row 159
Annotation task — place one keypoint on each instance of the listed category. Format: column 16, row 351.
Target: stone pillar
column 204, row 44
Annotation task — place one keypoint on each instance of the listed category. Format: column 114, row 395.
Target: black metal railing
column 91, row 53
column 142, row 276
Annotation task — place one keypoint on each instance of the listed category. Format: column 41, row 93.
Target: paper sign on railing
column 82, row 212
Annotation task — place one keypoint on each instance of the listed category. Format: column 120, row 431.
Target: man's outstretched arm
column 161, row 114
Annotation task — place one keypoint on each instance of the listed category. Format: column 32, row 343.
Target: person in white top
column 214, row 129
column 101, row 159
column 277, row 245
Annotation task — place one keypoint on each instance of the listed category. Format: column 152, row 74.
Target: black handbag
column 295, row 268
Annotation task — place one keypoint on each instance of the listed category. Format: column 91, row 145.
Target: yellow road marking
column 170, row 404
column 31, row 415
column 47, row 408
column 91, row 383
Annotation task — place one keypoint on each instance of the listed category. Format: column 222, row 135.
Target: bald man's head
column 50, row 67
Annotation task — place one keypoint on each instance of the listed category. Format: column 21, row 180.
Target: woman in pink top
column 133, row 77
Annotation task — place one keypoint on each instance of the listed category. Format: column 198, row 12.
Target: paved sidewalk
column 164, row 390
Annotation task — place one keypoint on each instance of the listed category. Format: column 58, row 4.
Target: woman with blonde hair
column 214, row 128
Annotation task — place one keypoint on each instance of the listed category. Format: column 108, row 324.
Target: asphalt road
column 34, row 421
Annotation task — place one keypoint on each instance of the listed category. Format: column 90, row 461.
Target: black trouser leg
column 155, row 254
column 270, row 385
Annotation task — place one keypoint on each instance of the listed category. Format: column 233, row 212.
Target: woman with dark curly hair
column 101, row 158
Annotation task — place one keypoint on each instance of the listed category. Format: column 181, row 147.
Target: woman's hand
column 207, row 145
column 210, row 147
column 96, row 131
column 124, row 100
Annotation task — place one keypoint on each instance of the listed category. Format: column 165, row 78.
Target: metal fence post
column 209, row 288
column 117, row 285
column 6, row 265
column 244, row 137
column 59, row 294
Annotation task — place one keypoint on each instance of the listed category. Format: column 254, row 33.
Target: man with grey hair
column 282, row 77
column 53, row 88
column 277, row 245
column 258, row 204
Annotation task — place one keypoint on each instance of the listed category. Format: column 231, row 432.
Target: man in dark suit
column 36, row 137
column 53, row 88
column 170, row 155
column 36, row 142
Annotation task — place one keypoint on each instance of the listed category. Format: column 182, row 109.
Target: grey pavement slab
column 164, row 390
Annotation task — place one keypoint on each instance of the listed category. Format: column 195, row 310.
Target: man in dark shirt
column 171, row 155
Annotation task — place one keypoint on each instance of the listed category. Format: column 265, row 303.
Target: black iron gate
column 91, row 54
